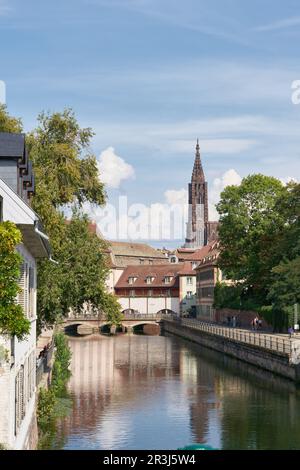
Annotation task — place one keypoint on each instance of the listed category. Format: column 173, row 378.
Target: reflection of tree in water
column 257, row 409
column 257, row 418
column 200, row 378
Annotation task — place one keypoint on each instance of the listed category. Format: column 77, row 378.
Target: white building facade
column 18, row 427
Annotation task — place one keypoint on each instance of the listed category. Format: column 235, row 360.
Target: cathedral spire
column 198, row 173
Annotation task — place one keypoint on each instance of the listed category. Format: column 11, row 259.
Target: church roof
column 198, row 173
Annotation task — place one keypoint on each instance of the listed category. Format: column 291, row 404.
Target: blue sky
column 150, row 76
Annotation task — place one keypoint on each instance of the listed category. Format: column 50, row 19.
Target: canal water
column 157, row 392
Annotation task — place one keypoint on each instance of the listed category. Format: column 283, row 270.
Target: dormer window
column 132, row 279
column 168, row 279
column 149, row 279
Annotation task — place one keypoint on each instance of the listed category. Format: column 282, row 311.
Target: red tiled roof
column 211, row 257
column 157, row 271
column 187, row 269
column 201, row 253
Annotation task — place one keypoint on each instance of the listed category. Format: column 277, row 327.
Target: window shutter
column 19, row 399
column 23, row 296
column 21, row 396
column 31, row 292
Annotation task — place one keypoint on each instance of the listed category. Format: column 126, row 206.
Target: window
column 207, row 292
column 132, row 293
column 149, row 279
column 150, row 293
column 189, row 294
column 168, row 279
column 189, row 281
column 150, row 261
column 131, row 280
column 142, row 261
column 206, row 275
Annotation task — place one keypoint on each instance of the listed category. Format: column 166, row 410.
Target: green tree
column 249, row 221
column 285, row 276
column 12, row 318
column 9, row 123
column 284, row 290
column 66, row 178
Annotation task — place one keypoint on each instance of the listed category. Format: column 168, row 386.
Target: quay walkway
column 280, row 343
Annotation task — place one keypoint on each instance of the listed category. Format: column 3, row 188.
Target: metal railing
column 266, row 341
column 142, row 316
column 126, row 316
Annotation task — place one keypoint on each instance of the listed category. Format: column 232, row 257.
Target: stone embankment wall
column 279, row 363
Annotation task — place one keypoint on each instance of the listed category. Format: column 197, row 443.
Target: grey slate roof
column 12, row 145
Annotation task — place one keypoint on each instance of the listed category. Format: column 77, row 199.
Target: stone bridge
column 88, row 324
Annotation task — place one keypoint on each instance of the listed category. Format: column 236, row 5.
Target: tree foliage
column 260, row 245
column 248, row 221
column 66, row 178
column 12, row 318
column 9, row 123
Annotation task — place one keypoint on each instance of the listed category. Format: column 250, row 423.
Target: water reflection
column 151, row 392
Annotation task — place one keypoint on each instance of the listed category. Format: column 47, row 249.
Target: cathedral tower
column 196, row 235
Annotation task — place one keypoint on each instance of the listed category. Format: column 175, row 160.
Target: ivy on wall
column 12, row 318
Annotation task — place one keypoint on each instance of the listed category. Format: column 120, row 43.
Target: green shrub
column 55, row 403
column 12, row 318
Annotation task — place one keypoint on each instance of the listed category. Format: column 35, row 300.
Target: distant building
column 208, row 274
column 199, row 230
column 18, row 428
column 187, row 290
column 154, row 289
column 124, row 254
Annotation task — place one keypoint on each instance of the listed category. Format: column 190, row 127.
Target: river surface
column 156, row 392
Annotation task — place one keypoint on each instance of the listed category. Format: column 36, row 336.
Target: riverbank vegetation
column 54, row 402
column 67, row 185
column 260, row 248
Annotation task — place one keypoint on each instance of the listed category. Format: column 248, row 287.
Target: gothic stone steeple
column 196, row 236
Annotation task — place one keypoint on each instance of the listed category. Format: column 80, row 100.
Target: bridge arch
column 166, row 311
column 130, row 311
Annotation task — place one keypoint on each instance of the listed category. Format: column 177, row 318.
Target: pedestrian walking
column 260, row 324
column 291, row 331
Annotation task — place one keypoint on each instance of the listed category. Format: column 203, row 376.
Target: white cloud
column 113, row 169
column 229, row 178
column 288, row 179
column 176, row 196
